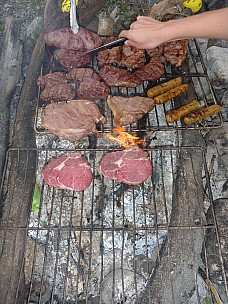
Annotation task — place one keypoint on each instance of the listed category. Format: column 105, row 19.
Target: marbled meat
column 130, row 166
column 92, row 89
column 118, row 77
column 78, row 75
column 127, row 110
column 64, row 38
column 69, row 171
column 175, row 51
column 71, row 58
column 73, row 120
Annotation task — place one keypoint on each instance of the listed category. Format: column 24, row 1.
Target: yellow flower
column 194, row 5
column 66, row 5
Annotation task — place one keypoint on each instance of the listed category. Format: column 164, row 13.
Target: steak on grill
column 119, row 77
column 151, row 71
column 73, row 120
column 51, row 79
column 64, row 38
column 130, row 166
column 175, row 51
column 127, row 110
column 69, row 171
column 58, row 92
column 92, row 89
column 132, row 57
column 71, row 58
column 79, row 75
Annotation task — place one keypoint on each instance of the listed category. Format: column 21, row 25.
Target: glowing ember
column 125, row 139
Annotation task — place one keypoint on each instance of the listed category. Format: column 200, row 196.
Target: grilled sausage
column 171, row 94
column 164, row 87
column 182, row 111
column 202, row 113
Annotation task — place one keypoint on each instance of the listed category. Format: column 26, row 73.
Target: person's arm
column 147, row 33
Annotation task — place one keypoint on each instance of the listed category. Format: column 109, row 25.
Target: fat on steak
column 119, row 77
column 72, row 120
column 64, row 38
column 69, row 171
column 79, row 75
column 175, row 51
column 127, row 110
column 92, row 89
column 130, row 166
column 71, row 58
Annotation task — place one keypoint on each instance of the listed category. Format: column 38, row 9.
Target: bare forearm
column 213, row 24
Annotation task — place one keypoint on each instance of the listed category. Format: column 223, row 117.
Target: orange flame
column 124, row 138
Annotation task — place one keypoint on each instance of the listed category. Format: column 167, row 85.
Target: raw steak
column 175, row 51
column 127, row 110
column 79, row 75
column 51, row 79
column 92, row 89
column 119, row 77
column 151, row 71
column 58, row 92
column 64, row 38
column 72, row 120
column 69, row 171
column 71, row 59
column 132, row 57
column 130, row 166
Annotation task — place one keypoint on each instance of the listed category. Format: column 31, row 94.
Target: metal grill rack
column 102, row 245
column 197, row 78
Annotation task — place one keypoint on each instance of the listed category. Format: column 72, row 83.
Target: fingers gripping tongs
column 73, row 17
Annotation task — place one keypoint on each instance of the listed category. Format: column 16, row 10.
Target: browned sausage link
column 171, row 94
column 202, row 113
column 182, row 111
column 164, row 87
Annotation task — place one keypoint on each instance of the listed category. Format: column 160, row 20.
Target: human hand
column 145, row 33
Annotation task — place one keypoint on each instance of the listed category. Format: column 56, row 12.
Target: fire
column 124, row 138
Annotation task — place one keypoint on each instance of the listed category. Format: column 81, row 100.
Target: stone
column 217, row 66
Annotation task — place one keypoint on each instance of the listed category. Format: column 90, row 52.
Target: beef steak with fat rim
column 130, row 166
column 69, row 171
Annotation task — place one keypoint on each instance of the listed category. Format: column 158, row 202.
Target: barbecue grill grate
column 155, row 120
column 102, row 245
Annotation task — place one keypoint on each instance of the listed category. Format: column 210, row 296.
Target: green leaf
column 36, row 199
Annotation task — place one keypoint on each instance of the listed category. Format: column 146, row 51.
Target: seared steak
column 109, row 56
column 92, row 89
column 151, row 71
column 119, row 77
column 157, row 51
column 64, row 38
column 72, row 120
column 71, row 58
column 132, row 57
column 79, row 75
column 130, row 166
column 58, row 92
column 127, row 110
column 51, row 79
column 175, row 51
column 69, row 171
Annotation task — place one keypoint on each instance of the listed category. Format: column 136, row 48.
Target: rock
column 217, row 66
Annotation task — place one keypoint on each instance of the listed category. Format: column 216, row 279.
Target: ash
column 101, row 242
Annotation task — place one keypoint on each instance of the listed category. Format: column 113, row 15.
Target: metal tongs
column 107, row 45
column 73, row 17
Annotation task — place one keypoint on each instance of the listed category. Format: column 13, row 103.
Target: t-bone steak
column 130, row 166
column 72, row 120
column 127, row 110
column 69, row 171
